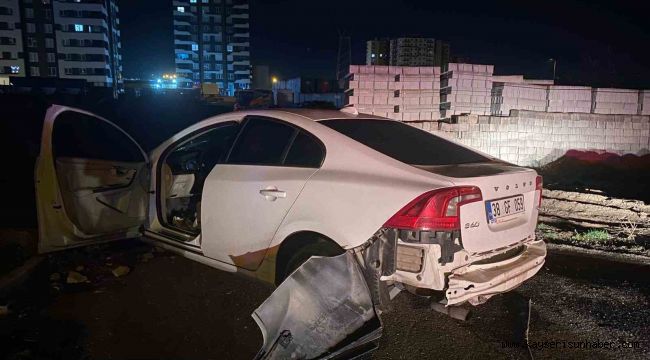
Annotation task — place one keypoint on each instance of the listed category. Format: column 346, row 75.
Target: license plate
column 503, row 210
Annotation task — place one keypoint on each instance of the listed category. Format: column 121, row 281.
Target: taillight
column 435, row 210
column 539, row 182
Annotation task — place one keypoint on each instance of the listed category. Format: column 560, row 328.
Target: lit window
column 192, row 1
column 180, row 9
column 229, row 48
column 78, row 28
column 15, row 69
column 195, row 47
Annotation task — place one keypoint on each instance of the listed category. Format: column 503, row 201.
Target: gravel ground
column 168, row 307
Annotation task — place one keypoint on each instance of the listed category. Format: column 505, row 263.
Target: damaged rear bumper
column 475, row 283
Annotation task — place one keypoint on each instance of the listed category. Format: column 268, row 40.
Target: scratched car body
column 338, row 209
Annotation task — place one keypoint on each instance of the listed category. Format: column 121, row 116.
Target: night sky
column 600, row 43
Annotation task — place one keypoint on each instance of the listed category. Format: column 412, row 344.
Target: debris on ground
column 121, row 271
column 75, row 278
column 4, row 310
column 146, row 257
column 79, row 268
column 55, row 277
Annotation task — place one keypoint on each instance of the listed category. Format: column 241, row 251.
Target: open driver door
column 92, row 181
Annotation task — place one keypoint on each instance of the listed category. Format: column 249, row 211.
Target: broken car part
column 322, row 310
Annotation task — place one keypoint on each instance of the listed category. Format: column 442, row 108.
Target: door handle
column 273, row 193
column 120, row 171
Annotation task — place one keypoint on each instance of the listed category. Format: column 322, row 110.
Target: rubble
column 75, row 278
column 4, row 310
column 121, row 271
column 55, row 277
column 146, row 257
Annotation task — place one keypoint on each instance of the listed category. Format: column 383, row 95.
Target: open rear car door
column 92, row 181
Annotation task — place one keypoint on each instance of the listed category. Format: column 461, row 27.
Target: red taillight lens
column 539, row 182
column 435, row 210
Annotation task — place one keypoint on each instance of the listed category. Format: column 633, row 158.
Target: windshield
column 404, row 142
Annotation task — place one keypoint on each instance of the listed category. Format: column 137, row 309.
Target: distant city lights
column 166, row 81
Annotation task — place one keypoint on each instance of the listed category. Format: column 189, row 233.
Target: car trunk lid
column 508, row 211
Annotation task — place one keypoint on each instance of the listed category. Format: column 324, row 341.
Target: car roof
column 320, row 114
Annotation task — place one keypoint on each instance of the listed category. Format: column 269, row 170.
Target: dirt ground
column 168, row 307
column 565, row 218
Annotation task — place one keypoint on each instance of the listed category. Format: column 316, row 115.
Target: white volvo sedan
column 337, row 209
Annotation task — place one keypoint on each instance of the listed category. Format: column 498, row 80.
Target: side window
column 202, row 151
column 305, row 151
column 262, row 142
column 78, row 135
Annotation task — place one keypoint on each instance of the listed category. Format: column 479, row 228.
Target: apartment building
column 211, row 44
column 378, row 52
column 66, row 39
column 411, row 51
column 11, row 41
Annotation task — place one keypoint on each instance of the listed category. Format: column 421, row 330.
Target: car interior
column 183, row 173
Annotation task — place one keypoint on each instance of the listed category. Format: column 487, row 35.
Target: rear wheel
column 315, row 247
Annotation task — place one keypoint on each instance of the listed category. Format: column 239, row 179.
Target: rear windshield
column 404, row 142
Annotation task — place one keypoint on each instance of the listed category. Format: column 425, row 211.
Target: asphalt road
column 168, row 307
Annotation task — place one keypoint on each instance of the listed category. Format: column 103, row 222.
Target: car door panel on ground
column 246, row 199
column 91, row 181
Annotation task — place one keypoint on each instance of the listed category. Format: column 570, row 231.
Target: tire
column 319, row 247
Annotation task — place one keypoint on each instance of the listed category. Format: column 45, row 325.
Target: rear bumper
column 476, row 283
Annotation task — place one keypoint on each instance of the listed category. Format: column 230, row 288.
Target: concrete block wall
column 397, row 92
column 531, row 138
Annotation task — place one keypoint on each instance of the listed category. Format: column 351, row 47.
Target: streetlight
column 274, row 79
column 554, row 65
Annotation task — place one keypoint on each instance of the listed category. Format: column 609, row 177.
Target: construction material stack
column 466, row 89
column 518, row 96
column 615, row 101
column 397, row 92
column 644, row 102
column 569, row 99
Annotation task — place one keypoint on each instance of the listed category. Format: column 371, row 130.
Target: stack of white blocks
column 397, row 92
column 644, row 97
column 413, row 93
column 569, row 99
column 470, row 87
column 616, row 101
column 509, row 96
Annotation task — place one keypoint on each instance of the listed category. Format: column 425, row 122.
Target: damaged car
column 339, row 210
